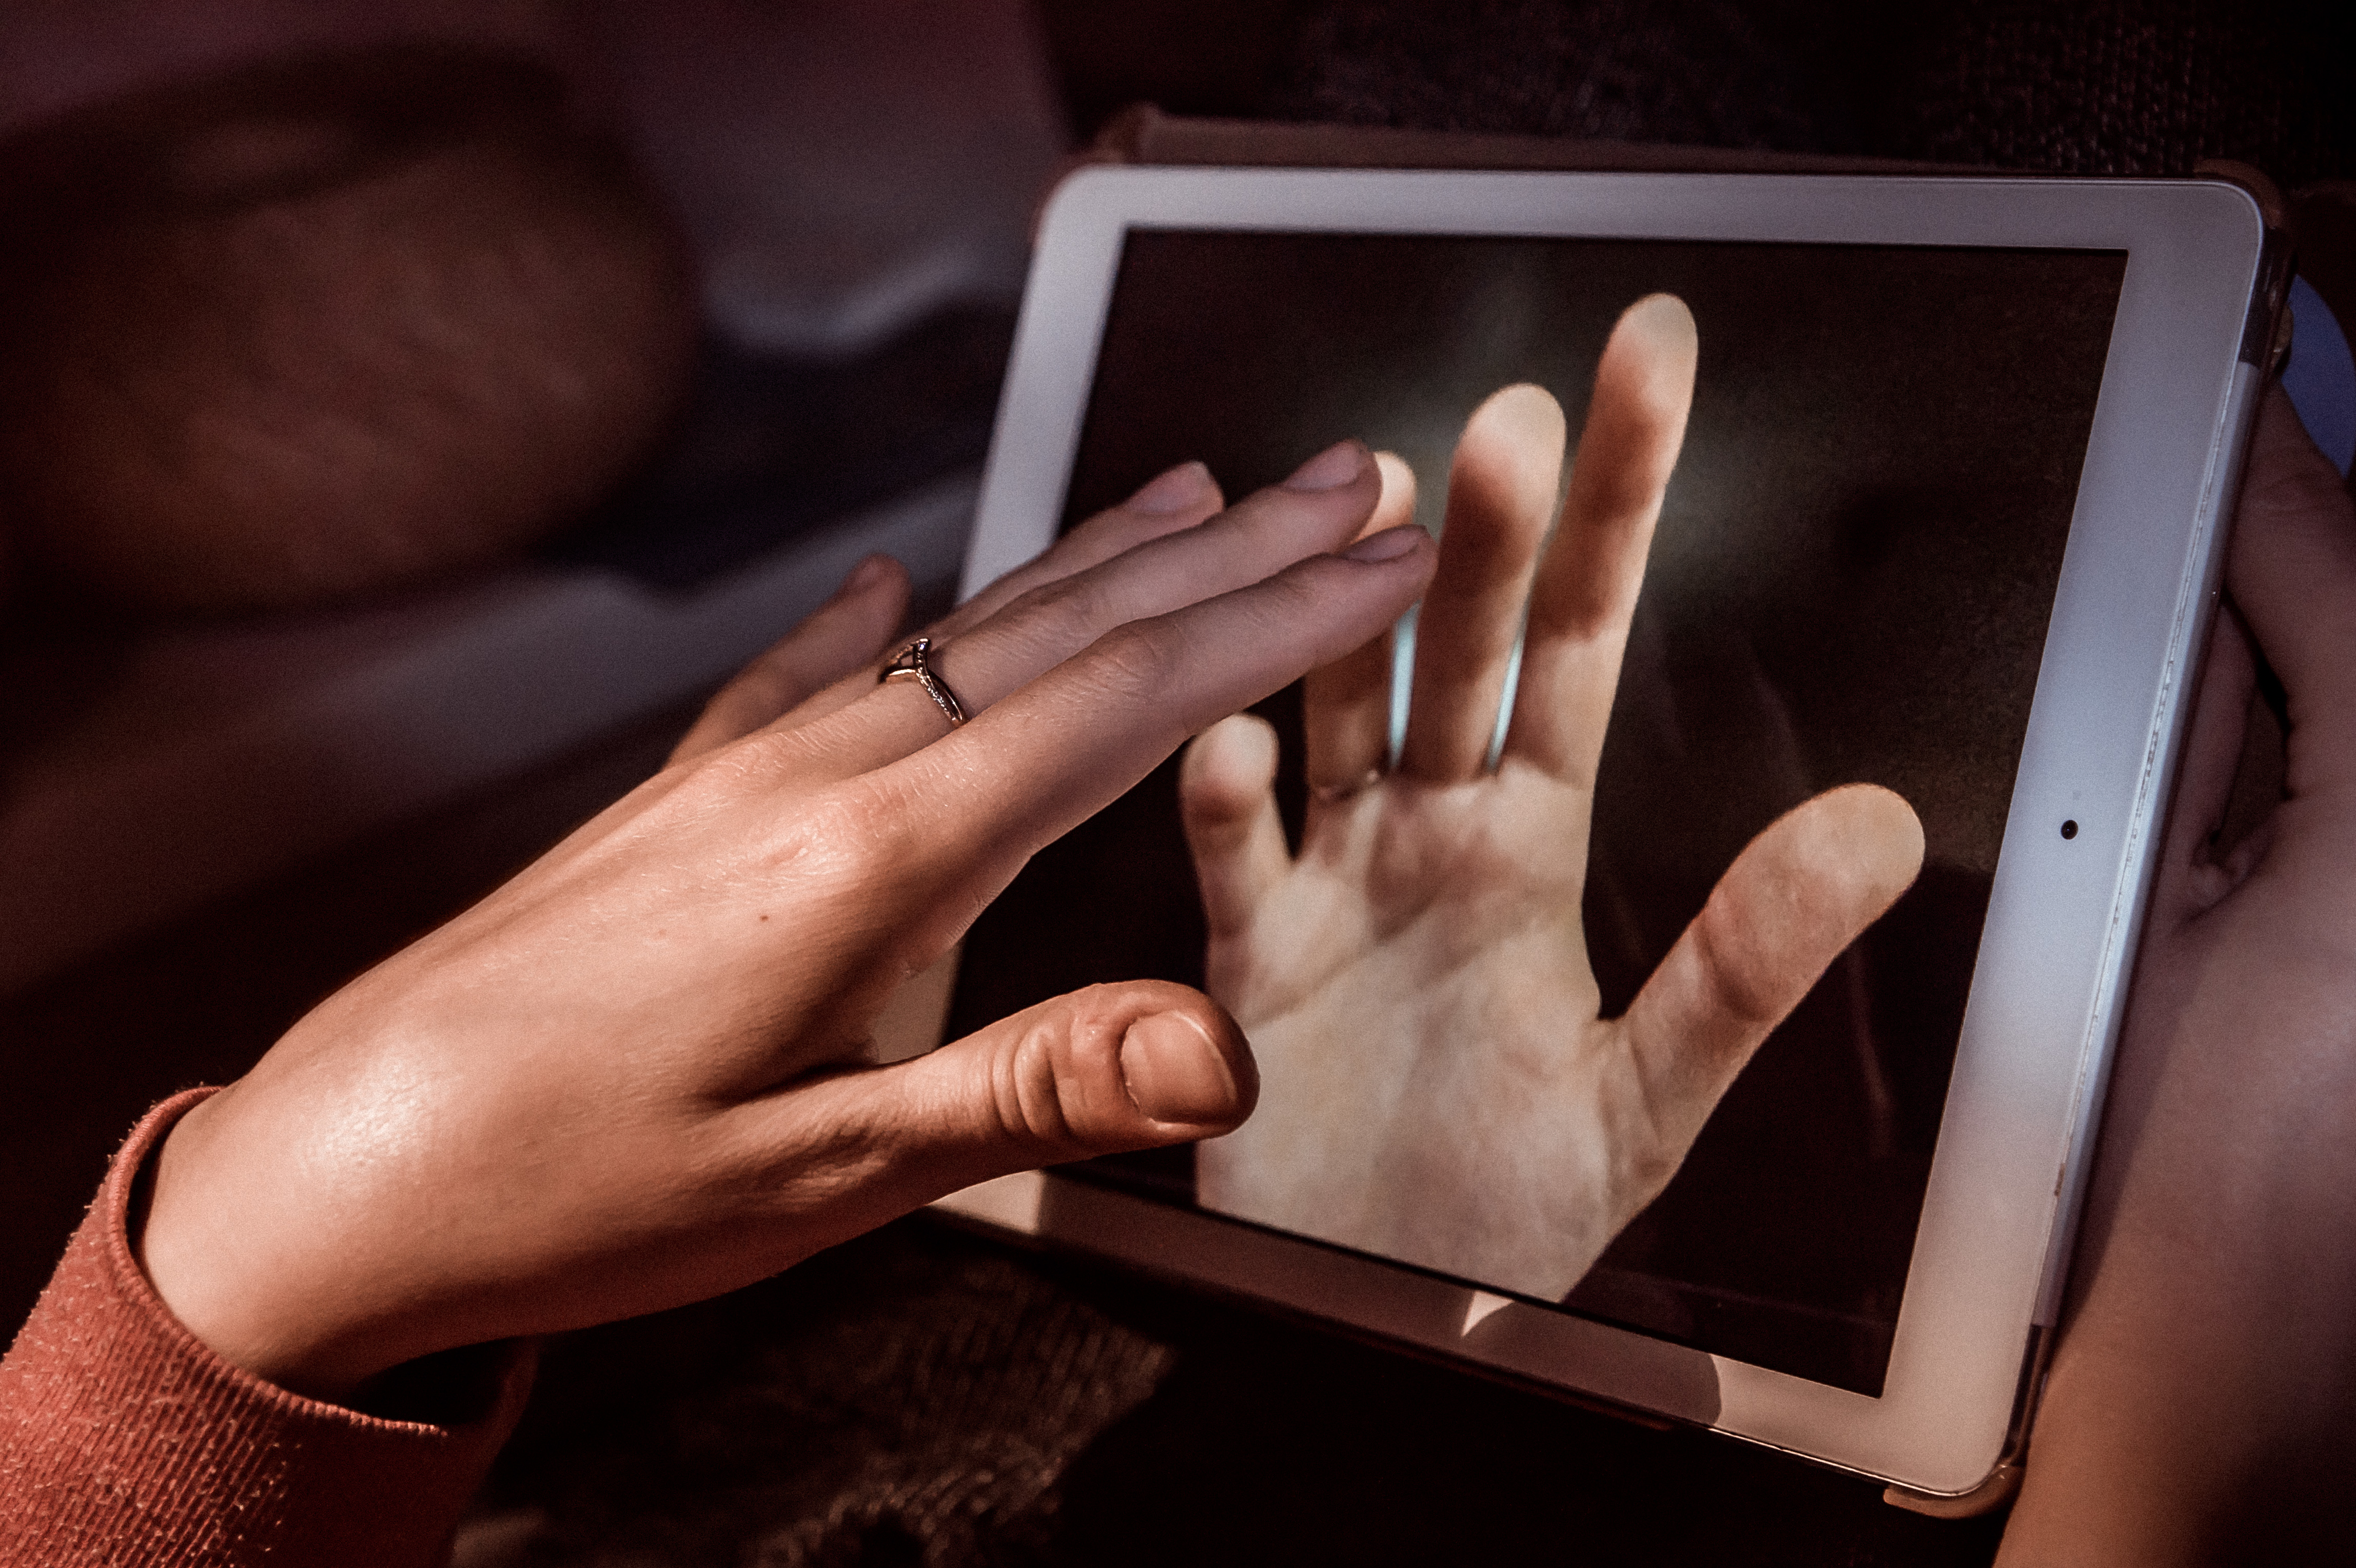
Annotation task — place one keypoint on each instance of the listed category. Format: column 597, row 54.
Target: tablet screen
column 1852, row 581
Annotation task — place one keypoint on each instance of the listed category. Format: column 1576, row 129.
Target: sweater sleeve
column 124, row 1439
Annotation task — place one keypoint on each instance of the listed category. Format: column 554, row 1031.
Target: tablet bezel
column 2138, row 580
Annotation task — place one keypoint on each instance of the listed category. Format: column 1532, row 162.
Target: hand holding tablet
column 634, row 1076
column 2201, row 1406
column 1438, row 1086
column 629, row 1079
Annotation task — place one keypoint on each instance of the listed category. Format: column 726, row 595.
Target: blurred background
column 409, row 411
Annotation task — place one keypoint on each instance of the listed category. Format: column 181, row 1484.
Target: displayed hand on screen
column 1437, row 1085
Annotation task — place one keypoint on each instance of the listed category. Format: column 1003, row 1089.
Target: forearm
column 124, row 1439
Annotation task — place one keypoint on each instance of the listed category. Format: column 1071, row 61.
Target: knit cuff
column 124, row 1439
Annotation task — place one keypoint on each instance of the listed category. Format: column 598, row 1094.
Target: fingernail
column 1180, row 487
column 1664, row 317
column 1330, row 469
column 1175, row 1072
column 1389, row 545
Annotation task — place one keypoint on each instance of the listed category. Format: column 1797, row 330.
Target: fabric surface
column 2095, row 87
column 1697, row 73
column 888, row 1402
column 124, row 1439
column 924, row 1396
column 2140, row 87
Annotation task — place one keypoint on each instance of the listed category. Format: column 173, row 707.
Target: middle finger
column 1587, row 586
column 1346, row 706
column 1501, row 494
column 1171, row 501
column 1176, row 498
column 1319, row 509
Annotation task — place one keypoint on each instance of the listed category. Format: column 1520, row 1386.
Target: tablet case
column 2323, row 217
column 1142, row 133
column 2325, row 214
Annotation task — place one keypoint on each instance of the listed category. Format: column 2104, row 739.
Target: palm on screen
column 1437, row 1085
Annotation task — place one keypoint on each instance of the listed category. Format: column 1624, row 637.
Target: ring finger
column 1318, row 509
column 1501, row 494
column 1176, row 499
column 1346, row 706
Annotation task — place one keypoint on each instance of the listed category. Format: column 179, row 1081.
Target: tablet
column 1947, row 519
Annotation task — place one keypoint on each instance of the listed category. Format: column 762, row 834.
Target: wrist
column 129, row 1440
column 190, row 1233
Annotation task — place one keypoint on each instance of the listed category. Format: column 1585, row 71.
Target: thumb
column 1136, row 1065
column 1803, row 889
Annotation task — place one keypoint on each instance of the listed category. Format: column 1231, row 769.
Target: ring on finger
column 1329, row 794
column 913, row 663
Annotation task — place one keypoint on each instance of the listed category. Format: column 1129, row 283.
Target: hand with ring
column 1436, row 1084
column 639, row 1074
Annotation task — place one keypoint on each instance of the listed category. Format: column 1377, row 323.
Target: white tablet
column 1948, row 519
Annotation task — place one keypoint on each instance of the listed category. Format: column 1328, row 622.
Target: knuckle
column 1035, row 1091
column 1740, row 986
column 847, row 853
column 1645, row 1147
column 1648, row 1165
column 1308, row 608
column 873, row 820
column 1059, row 1092
column 1107, row 533
column 1138, row 661
column 1069, row 610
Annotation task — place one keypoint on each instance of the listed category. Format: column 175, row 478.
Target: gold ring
column 1330, row 794
column 911, row 664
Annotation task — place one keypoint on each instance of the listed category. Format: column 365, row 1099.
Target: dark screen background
column 1852, row 581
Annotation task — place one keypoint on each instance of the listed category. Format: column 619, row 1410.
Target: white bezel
column 2137, row 581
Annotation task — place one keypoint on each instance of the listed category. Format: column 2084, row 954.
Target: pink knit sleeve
column 123, row 1439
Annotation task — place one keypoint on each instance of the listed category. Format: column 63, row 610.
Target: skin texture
column 636, row 1076
column 2202, row 1403
column 1437, row 1085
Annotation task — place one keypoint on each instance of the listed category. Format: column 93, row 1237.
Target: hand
column 1437, row 1086
column 2202, row 1401
column 633, row 1077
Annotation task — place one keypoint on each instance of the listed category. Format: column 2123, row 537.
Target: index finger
column 1586, row 585
column 981, row 801
column 1176, row 498
column 1173, row 501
